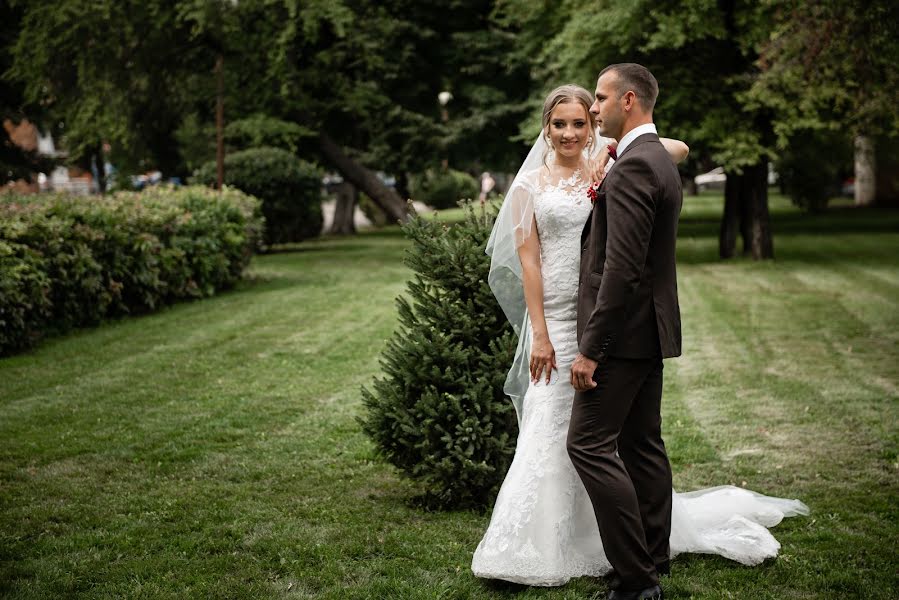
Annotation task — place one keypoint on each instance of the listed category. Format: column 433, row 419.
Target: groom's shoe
column 653, row 593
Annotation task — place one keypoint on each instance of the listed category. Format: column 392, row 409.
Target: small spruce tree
column 439, row 413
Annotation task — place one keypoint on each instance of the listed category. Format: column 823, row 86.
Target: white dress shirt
column 631, row 136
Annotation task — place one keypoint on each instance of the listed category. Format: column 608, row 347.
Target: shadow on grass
column 340, row 243
column 833, row 222
column 268, row 283
column 801, row 236
column 840, row 221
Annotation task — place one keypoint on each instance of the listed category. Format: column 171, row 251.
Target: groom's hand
column 582, row 373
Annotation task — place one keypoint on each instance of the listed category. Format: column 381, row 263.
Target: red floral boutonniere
column 593, row 193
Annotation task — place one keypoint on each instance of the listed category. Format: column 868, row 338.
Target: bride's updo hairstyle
column 563, row 95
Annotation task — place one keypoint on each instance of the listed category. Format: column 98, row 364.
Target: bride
column 543, row 530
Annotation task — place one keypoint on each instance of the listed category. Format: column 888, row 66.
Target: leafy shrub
column 444, row 188
column 24, row 291
column 439, row 412
column 290, row 190
column 73, row 261
column 196, row 141
column 812, row 167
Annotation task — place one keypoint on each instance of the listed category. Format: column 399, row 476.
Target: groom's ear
column 630, row 99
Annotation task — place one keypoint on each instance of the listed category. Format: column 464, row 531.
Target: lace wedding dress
column 543, row 531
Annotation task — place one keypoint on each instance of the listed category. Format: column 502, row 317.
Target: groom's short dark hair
column 632, row 76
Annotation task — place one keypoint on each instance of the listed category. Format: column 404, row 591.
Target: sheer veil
column 513, row 226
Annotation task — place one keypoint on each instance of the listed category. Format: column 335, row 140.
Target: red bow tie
column 613, row 154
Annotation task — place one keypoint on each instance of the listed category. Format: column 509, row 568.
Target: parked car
column 716, row 178
column 713, row 180
column 848, row 187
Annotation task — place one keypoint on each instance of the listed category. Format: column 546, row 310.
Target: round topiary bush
column 439, row 412
column 444, row 188
column 290, row 190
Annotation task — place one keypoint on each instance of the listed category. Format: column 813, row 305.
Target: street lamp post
column 444, row 98
column 220, row 109
column 220, row 122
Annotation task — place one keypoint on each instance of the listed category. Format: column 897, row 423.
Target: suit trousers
column 615, row 444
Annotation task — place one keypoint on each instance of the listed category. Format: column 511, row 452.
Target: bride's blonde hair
column 564, row 94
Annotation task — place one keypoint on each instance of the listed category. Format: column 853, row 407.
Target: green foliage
column 261, row 130
column 69, row 262
column 15, row 162
column 444, row 188
column 830, row 65
column 128, row 74
column 196, row 142
column 24, row 293
column 439, row 412
column 378, row 58
column 290, row 190
column 813, row 166
column 110, row 71
column 702, row 53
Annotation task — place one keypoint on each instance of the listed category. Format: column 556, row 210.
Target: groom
column 628, row 321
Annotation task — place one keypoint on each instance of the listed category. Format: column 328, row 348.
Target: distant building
column 28, row 137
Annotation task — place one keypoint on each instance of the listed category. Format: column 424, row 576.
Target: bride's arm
column 543, row 355
column 676, row 148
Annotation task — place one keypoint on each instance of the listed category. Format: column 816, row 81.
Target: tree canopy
column 362, row 75
column 830, row 65
column 358, row 82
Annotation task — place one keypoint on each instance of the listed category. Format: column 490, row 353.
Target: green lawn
column 212, row 450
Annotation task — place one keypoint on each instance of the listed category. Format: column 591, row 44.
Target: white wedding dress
column 543, row 531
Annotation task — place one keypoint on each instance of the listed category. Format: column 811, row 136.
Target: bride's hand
column 543, row 357
column 597, row 166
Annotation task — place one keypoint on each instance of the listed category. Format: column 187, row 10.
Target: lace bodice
column 560, row 209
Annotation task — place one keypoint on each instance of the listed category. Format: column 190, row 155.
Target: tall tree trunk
column 730, row 220
column 689, row 185
column 744, row 181
column 402, row 185
column 100, row 163
column 364, row 179
column 746, row 211
column 345, row 209
column 865, row 182
column 755, row 199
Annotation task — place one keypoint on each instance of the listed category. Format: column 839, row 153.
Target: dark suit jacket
column 627, row 299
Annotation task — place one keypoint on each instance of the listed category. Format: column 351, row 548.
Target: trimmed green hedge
column 72, row 261
column 290, row 190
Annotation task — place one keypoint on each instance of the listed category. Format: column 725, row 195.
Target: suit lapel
column 586, row 230
column 646, row 137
